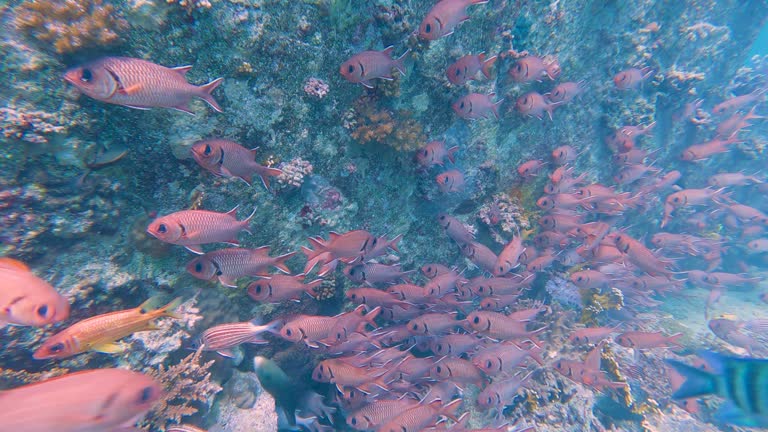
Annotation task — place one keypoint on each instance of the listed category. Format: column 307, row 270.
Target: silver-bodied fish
column 742, row 382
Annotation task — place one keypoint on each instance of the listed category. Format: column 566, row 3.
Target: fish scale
column 142, row 84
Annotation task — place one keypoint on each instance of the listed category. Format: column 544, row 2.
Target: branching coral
column 10, row 378
column 188, row 388
column 294, row 173
column 503, row 212
column 367, row 123
column 70, row 24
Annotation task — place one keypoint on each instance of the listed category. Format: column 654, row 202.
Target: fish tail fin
column 280, row 262
column 697, row 382
column 394, row 241
column 247, row 221
column 207, row 89
column 170, row 308
column 487, row 65
column 452, row 153
column 450, row 409
column 370, row 317
column 399, row 63
column 266, row 173
column 495, row 107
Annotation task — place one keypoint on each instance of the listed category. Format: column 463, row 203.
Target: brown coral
column 367, row 123
column 70, row 24
column 188, row 388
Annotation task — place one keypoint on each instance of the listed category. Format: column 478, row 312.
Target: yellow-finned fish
column 100, row 333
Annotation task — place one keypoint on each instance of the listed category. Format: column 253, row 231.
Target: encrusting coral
column 69, row 25
column 366, row 123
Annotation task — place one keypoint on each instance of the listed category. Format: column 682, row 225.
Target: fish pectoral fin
column 228, row 281
column 366, row 83
column 108, row 348
column 131, row 89
column 195, row 249
column 138, row 107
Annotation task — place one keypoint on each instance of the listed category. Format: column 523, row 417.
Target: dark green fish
column 742, row 382
column 277, row 383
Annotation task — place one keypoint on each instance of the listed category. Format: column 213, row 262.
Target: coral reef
column 158, row 344
column 188, row 389
column 316, row 88
column 366, row 123
column 294, row 172
column 70, row 25
column 506, row 213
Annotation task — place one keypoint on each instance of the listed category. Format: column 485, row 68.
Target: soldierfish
column 367, row 65
column 435, row 153
column 27, row 300
column 475, row 106
column 352, row 245
column 422, row 415
column 455, row 229
column 566, row 92
column 100, row 333
column 509, row 258
column 645, row 340
column 100, row 400
column 466, row 68
column 137, row 83
column 373, row 273
column 450, row 181
column 632, row 78
column 227, row 265
column 276, row 288
column 443, row 18
column 533, row 104
column 230, row 159
column 192, row 228
column 223, row 337
column 530, row 68
column 737, row 102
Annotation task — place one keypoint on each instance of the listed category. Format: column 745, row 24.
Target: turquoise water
column 589, row 174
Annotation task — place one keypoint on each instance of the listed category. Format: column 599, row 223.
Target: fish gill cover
column 383, row 215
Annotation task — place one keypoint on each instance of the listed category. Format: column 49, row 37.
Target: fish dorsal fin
column 233, row 212
column 333, row 235
column 388, row 50
column 13, row 264
column 182, row 70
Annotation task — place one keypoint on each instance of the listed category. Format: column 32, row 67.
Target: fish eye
column 353, row 421
column 426, row 153
column 352, row 394
column 415, row 326
column 461, row 105
column 518, row 67
column 199, row 268
column 288, row 332
column 488, row 364
column 580, row 278
column 207, row 150
column 353, row 296
column 458, row 72
column 676, row 199
column 146, row 394
column 86, row 76
column 476, row 320
column 350, row 69
column 428, row 28
column 622, row 77
column 42, row 310
column 258, row 289
column 56, row 348
column 490, row 400
column 162, row 228
column 439, row 369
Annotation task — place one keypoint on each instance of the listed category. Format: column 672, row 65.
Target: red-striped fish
column 222, row 338
column 192, row 228
column 230, row 159
column 137, row 83
column 227, row 265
